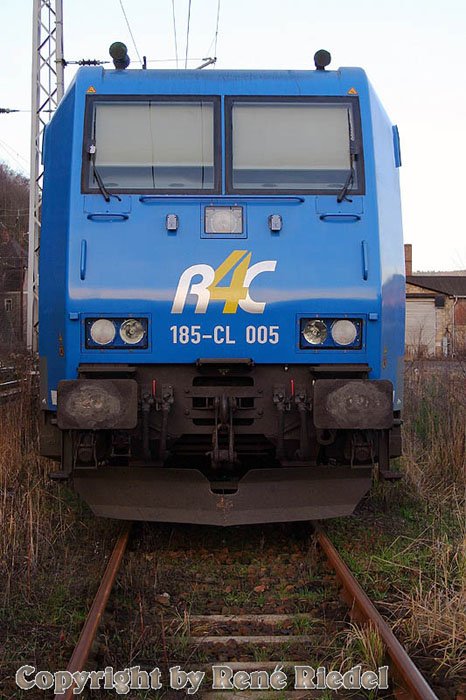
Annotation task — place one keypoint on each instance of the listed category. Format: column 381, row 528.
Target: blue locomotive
column 221, row 292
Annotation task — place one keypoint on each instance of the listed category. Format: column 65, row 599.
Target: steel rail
column 91, row 625
column 414, row 685
column 10, row 390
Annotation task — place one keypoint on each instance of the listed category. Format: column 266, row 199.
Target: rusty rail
column 414, row 685
column 10, row 385
column 91, row 625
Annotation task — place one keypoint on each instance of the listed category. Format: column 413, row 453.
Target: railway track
column 248, row 635
column 18, row 380
column 10, row 385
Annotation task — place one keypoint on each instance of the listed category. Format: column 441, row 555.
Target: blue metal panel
column 53, row 326
column 391, row 262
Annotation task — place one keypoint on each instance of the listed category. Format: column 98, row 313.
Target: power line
column 172, row 60
column 12, row 157
column 214, row 40
column 174, row 32
column 187, row 35
column 216, row 29
column 7, row 110
column 130, row 32
column 12, row 154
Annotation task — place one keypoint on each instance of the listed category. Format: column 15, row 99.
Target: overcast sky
column 413, row 51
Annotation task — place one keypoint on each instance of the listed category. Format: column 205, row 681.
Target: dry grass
column 47, row 540
column 363, row 645
column 435, row 431
column 435, row 612
column 33, row 516
column 21, row 489
column 431, row 616
column 410, row 555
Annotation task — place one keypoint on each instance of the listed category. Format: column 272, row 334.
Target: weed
column 435, row 435
column 363, row 645
column 45, row 539
column 303, row 624
column 432, row 614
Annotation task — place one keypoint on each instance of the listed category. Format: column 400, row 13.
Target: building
column 435, row 312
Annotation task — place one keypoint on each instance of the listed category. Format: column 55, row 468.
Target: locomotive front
column 222, row 293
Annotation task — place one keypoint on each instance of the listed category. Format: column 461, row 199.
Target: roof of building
column 452, row 285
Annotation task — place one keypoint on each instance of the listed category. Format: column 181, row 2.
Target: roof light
column 322, row 58
column 119, row 52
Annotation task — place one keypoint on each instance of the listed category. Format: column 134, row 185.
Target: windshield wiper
column 344, row 190
column 98, row 177
column 100, row 182
column 353, row 150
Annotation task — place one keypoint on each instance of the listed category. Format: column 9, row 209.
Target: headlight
column 344, row 332
column 223, row 220
column 315, row 332
column 116, row 333
column 330, row 333
column 103, row 331
column 132, row 331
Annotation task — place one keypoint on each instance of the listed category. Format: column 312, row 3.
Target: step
column 258, row 624
column 262, row 695
column 265, row 639
column 263, row 619
column 254, row 665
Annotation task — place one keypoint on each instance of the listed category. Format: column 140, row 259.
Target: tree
column 14, row 203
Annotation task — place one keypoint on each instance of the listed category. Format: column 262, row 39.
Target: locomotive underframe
column 222, row 442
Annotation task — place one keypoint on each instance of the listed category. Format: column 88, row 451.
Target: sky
column 413, row 51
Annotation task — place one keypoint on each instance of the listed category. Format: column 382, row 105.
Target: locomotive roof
column 296, row 82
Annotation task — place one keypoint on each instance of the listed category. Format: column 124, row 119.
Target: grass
column 406, row 544
column 363, row 645
column 303, row 624
column 432, row 613
column 47, row 540
column 435, row 435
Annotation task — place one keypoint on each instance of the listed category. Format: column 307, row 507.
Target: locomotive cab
column 222, row 336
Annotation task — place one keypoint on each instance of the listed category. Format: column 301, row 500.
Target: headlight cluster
column 330, row 333
column 116, row 333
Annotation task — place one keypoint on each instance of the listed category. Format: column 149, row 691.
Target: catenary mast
column 47, row 87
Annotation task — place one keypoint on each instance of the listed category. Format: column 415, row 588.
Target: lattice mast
column 47, row 90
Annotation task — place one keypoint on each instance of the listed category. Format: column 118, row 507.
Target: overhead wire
column 174, row 32
column 216, row 29
column 12, row 153
column 172, row 60
column 187, row 35
column 130, row 32
column 213, row 43
column 7, row 110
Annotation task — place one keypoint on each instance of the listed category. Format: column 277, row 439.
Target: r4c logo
column 234, row 295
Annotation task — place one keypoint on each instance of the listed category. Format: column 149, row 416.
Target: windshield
column 153, row 145
column 298, row 146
